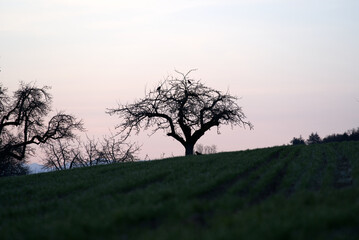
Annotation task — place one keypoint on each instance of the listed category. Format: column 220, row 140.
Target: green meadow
column 284, row 192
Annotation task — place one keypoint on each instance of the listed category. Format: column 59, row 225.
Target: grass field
column 287, row 192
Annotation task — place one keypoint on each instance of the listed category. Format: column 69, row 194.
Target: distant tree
column 297, row 141
column 184, row 108
column 22, row 124
column 353, row 134
column 336, row 138
column 314, row 138
column 210, row 149
column 206, row 149
column 350, row 135
column 89, row 153
column 199, row 149
column 112, row 150
column 61, row 155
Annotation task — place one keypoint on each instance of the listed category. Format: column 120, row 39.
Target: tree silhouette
column 314, row 138
column 184, row 108
column 61, row 155
column 22, row 123
column 201, row 149
column 297, row 141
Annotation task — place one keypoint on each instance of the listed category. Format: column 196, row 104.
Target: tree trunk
column 189, row 149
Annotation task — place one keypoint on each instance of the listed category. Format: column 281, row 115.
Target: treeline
column 350, row 135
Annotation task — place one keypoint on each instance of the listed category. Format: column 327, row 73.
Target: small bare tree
column 201, row 149
column 210, row 149
column 90, row 153
column 113, row 150
column 184, row 108
column 60, row 155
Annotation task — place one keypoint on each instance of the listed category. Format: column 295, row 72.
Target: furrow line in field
column 294, row 185
column 317, row 178
column 222, row 187
column 272, row 187
column 343, row 176
column 132, row 187
column 141, row 185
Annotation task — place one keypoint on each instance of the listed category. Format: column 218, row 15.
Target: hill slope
column 291, row 192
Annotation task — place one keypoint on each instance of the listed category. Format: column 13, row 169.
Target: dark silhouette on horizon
column 314, row 138
column 184, row 110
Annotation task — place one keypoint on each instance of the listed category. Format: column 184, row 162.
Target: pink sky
column 294, row 63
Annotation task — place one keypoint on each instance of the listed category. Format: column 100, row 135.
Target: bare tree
column 210, row 149
column 201, row 149
column 61, row 155
column 113, row 150
column 90, row 153
column 22, row 121
column 184, row 108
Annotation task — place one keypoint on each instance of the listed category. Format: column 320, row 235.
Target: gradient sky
column 294, row 63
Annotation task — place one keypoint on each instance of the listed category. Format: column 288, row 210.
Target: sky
column 293, row 64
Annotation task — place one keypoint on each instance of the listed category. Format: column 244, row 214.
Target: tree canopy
column 23, row 123
column 182, row 107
